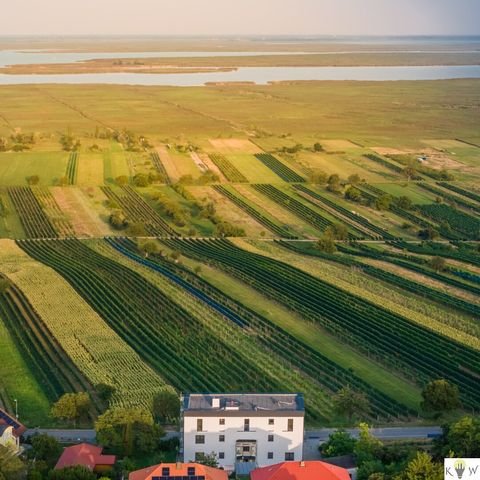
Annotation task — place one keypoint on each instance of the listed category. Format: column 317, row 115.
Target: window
column 191, row 470
column 199, row 425
column 221, row 421
column 271, row 421
column 246, row 449
column 165, row 471
column 221, row 438
column 199, row 456
column 289, row 456
column 290, row 425
column 221, row 455
column 270, row 438
column 199, row 438
column 246, row 425
column 270, row 455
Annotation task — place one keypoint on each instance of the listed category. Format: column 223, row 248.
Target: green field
column 372, row 312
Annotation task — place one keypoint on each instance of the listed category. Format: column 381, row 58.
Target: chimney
column 302, row 463
column 215, row 402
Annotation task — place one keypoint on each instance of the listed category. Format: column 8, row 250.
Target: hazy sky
column 214, row 17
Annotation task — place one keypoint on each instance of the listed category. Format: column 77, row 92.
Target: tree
column 367, row 448
column 428, row 233
column 423, row 468
column 127, row 430
column 326, row 242
column 149, row 247
column 118, row 220
column 461, row 438
column 403, row 202
column 136, row 229
column 370, row 469
column 339, row 443
column 318, row 177
column 440, row 396
column 333, row 183
column 317, row 147
column 409, row 172
column 11, row 466
column 72, row 407
column 45, row 448
column 438, row 264
column 76, row 472
column 33, row 180
column 105, row 392
column 339, row 231
column 349, row 402
column 121, row 180
column 353, row 194
column 383, row 202
column 166, row 406
column 141, row 180
column 226, row 229
column 354, row 179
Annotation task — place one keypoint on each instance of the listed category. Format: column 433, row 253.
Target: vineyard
column 136, row 209
column 159, row 167
column 450, row 198
column 297, row 208
column 273, row 226
column 371, row 329
column 284, row 172
column 461, row 191
column 72, row 168
column 231, row 173
column 34, row 220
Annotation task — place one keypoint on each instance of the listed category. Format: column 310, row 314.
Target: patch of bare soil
column 234, row 145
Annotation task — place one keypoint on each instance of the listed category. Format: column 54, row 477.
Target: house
column 179, row 471
column 308, row 470
column 89, row 456
column 10, row 431
column 243, row 430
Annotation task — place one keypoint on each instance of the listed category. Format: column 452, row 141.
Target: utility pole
column 16, row 408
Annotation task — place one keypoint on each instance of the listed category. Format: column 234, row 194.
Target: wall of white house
column 272, row 440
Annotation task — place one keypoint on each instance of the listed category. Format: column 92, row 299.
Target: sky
column 237, row 17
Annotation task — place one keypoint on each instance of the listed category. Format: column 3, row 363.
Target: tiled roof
column 179, row 470
column 9, row 420
column 245, row 401
column 309, row 470
column 84, row 454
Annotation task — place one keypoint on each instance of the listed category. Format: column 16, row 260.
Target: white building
column 243, row 430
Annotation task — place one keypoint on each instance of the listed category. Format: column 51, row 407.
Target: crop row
column 72, row 166
column 455, row 199
column 34, row 220
column 454, row 219
column 278, row 167
column 272, row 338
column 231, row 173
column 253, row 212
column 137, row 210
column 391, row 166
column 159, row 167
column 296, row 207
column 461, row 191
column 162, row 332
column 367, row 326
column 355, row 218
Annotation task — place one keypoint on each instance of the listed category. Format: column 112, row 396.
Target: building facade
column 244, row 431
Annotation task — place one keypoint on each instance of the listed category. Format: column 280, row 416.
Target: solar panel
column 9, row 420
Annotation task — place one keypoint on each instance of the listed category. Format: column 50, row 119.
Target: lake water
column 259, row 75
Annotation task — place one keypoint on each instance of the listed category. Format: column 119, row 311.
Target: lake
column 259, row 75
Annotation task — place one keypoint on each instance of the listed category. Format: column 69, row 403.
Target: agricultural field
column 288, row 229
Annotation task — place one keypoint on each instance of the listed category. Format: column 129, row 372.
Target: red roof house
column 309, row 470
column 10, row 430
column 179, row 470
column 89, row 456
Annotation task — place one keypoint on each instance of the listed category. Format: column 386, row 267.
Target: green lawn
column 416, row 194
column 16, row 166
column 17, row 382
column 253, row 169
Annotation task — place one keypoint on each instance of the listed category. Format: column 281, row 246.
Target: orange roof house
column 89, row 456
column 309, row 470
column 179, row 470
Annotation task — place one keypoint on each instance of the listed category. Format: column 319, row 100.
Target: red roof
column 179, row 470
column 89, row 456
column 309, row 470
column 10, row 421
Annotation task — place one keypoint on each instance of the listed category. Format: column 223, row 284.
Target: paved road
column 312, row 437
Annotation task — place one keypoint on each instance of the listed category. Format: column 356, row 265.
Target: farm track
column 373, row 330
